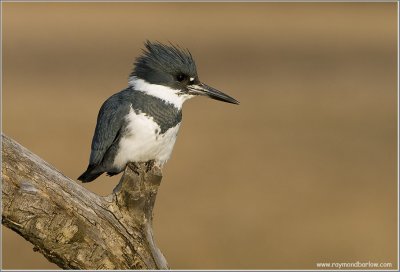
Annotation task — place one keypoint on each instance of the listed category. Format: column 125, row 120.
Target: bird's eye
column 181, row 77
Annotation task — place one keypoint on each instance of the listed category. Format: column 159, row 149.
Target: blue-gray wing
column 110, row 122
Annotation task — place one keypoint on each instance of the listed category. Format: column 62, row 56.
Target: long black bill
column 203, row 89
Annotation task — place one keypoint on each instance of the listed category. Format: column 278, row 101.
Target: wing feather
column 110, row 120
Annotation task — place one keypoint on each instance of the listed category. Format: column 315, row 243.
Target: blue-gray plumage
column 141, row 122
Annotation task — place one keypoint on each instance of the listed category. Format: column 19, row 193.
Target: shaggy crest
column 170, row 59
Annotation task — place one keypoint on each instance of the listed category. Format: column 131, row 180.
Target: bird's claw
column 150, row 165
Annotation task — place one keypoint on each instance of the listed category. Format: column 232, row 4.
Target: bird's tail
column 90, row 174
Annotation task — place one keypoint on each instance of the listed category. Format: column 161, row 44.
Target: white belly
column 141, row 142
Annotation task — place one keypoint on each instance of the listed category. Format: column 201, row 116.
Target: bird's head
column 175, row 68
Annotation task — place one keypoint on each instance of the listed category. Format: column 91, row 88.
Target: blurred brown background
column 303, row 171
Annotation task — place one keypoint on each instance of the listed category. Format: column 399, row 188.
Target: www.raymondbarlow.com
column 357, row 264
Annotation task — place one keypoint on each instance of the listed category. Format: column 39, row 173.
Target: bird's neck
column 167, row 94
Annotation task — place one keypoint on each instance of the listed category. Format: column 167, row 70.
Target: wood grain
column 73, row 227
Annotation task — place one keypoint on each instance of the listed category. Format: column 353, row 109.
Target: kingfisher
column 141, row 122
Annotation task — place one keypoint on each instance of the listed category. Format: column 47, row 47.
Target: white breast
column 141, row 142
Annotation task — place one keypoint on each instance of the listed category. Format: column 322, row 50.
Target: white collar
column 165, row 93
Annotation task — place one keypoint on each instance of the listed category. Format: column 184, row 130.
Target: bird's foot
column 150, row 165
column 135, row 167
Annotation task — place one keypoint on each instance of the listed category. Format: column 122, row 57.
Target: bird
column 141, row 122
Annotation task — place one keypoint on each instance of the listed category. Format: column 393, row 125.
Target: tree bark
column 73, row 227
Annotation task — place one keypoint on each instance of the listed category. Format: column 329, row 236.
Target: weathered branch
column 73, row 227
